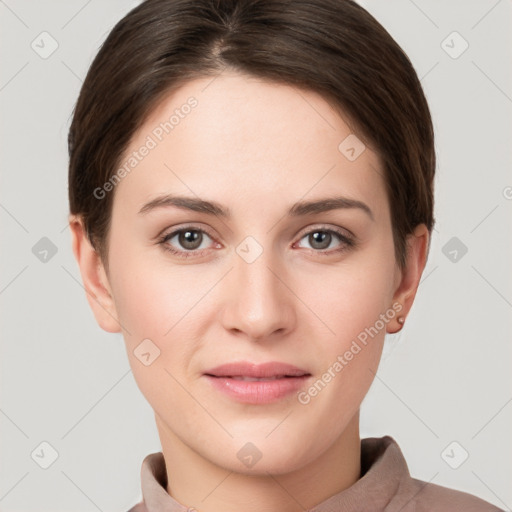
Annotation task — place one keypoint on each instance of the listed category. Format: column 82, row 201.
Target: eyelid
column 175, row 230
column 326, row 227
column 347, row 241
column 305, row 231
column 163, row 238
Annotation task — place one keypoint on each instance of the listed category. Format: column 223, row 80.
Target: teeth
column 258, row 378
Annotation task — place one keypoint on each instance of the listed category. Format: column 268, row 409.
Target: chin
column 260, row 458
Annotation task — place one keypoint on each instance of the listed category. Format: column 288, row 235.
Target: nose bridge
column 260, row 303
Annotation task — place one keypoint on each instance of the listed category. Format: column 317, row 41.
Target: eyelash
column 162, row 240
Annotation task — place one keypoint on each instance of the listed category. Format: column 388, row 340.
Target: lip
column 280, row 380
column 246, row 369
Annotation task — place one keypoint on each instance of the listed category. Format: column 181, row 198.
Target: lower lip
column 258, row 392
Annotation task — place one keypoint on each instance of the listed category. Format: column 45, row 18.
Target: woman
column 251, row 198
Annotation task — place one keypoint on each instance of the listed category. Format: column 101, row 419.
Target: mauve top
column 385, row 485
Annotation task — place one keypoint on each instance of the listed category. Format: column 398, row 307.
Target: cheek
column 351, row 306
column 152, row 306
column 355, row 306
column 163, row 302
column 351, row 299
column 144, row 302
column 357, row 343
column 152, row 295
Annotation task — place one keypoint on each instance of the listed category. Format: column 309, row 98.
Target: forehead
column 238, row 133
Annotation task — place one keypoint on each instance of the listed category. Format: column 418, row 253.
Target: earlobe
column 94, row 278
column 410, row 275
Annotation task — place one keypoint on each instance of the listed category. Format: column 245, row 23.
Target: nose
column 258, row 301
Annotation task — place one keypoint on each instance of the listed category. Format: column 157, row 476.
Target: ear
column 408, row 279
column 94, row 277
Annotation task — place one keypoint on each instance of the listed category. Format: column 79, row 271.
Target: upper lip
column 246, row 369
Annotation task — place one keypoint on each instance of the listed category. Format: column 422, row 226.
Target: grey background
column 444, row 378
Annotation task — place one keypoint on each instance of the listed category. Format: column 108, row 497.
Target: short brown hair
column 333, row 47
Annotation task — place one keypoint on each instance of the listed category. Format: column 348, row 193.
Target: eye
column 321, row 239
column 189, row 241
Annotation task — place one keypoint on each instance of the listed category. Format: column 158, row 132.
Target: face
column 313, row 288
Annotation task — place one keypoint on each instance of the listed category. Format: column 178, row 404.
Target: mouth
column 243, row 370
column 256, row 379
column 257, row 384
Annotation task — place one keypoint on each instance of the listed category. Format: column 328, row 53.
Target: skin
column 256, row 148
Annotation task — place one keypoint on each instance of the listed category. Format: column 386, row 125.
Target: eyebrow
column 301, row 208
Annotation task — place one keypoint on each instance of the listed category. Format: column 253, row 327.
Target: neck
column 197, row 482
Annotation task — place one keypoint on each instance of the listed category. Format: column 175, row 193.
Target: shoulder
column 426, row 496
column 387, row 469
